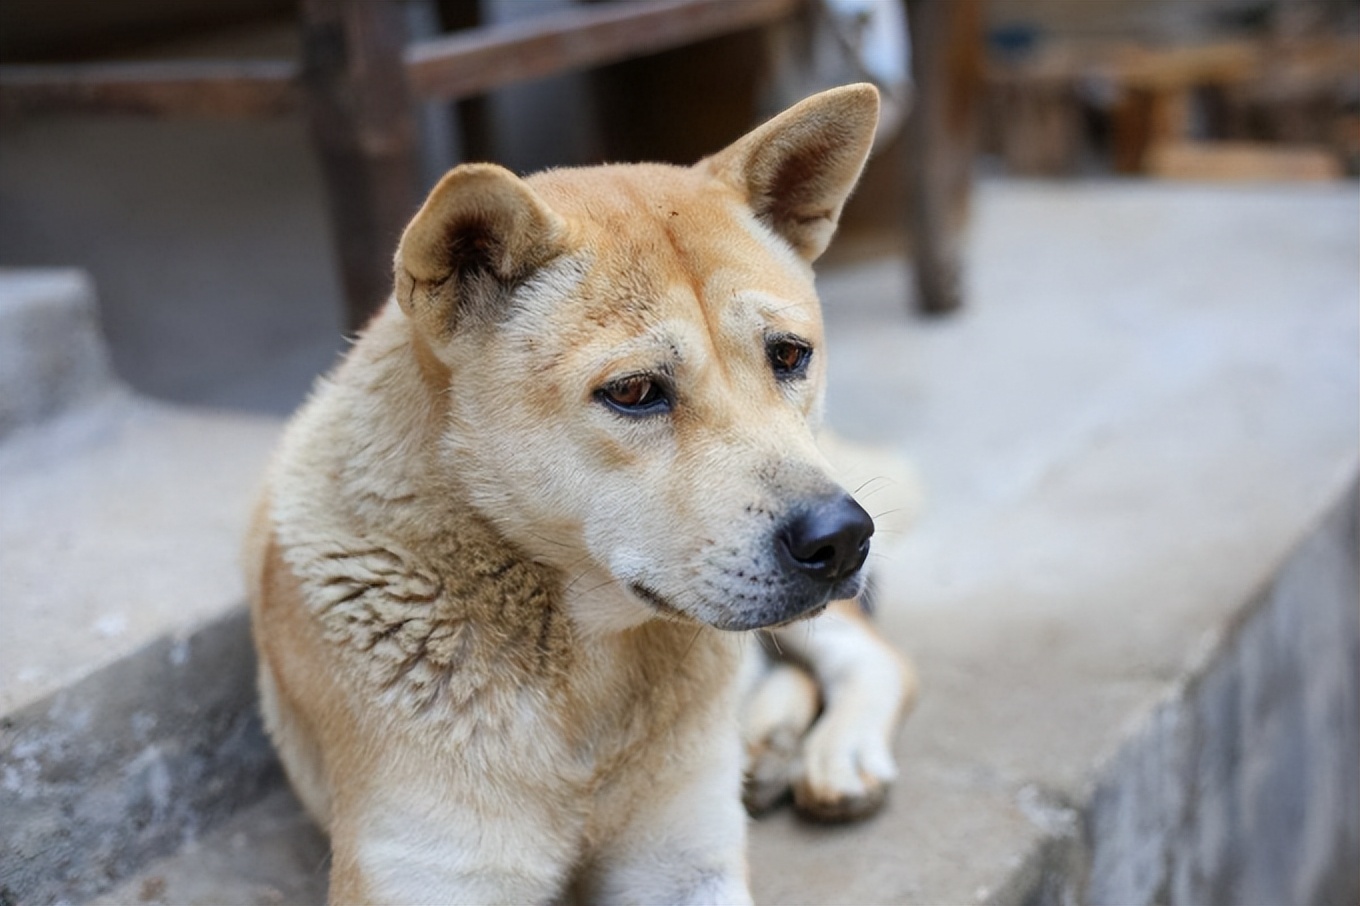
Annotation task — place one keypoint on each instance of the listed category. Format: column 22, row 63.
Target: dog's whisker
column 576, row 578
column 690, row 647
column 870, row 481
column 553, row 541
column 605, row 584
column 784, row 308
column 887, row 512
column 572, row 584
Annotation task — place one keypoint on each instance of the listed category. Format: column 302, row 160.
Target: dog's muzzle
column 820, row 548
column 815, row 557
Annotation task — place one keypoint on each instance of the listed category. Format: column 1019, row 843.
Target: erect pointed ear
column 481, row 231
column 798, row 169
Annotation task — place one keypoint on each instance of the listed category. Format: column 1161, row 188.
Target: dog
column 509, row 557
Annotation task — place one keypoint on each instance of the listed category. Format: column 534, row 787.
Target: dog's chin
column 793, row 607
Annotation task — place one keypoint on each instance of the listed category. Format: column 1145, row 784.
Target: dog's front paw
column 842, row 776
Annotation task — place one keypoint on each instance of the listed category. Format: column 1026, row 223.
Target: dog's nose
column 827, row 540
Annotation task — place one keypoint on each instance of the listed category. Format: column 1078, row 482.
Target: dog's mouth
column 798, row 618
column 771, row 618
column 654, row 600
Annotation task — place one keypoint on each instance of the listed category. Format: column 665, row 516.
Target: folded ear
column 798, row 169
column 481, row 231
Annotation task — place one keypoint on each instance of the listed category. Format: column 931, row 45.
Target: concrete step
column 126, row 698
column 1132, row 599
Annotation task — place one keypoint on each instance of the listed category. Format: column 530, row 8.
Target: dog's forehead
column 665, row 236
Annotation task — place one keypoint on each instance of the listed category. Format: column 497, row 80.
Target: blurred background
column 210, row 236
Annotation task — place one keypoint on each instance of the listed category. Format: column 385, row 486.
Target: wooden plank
column 460, row 65
column 252, row 88
column 1177, row 68
column 1242, row 161
column 475, row 61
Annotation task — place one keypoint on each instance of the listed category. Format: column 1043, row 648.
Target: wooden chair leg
column 946, row 47
column 363, row 126
column 476, row 122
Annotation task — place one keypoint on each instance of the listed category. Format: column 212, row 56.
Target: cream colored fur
column 499, row 618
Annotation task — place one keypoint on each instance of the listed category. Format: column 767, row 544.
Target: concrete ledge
column 1241, row 786
column 130, row 764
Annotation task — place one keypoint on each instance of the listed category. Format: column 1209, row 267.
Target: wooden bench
column 360, row 80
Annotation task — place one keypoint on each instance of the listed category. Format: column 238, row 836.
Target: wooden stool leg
column 946, row 48
column 363, row 126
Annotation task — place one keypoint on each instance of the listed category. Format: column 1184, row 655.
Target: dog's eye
column 636, row 395
column 788, row 358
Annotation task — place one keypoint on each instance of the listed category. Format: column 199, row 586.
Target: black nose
column 827, row 540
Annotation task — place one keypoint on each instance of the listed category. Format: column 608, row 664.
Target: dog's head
column 635, row 365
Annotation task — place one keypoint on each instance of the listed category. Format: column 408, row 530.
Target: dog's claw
column 838, row 808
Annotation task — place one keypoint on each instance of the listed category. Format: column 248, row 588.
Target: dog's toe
column 842, row 777
column 770, row 770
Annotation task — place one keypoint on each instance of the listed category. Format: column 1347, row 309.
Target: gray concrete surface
column 1152, row 400
column 1132, row 598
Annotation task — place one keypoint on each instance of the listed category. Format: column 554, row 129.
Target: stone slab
column 1241, row 786
column 1151, row 402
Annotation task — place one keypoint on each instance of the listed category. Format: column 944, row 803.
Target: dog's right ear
column 481, row 231
column 798, row 169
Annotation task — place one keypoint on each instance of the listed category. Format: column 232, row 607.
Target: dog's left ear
column 481, row 231
column 798, row 169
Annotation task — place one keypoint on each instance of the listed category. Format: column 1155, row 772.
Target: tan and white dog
column 507, row 555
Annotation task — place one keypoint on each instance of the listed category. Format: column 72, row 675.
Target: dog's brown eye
column 788, row 358
column 637, row 395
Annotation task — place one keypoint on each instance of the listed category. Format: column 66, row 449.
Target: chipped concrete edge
column 1240, row 784
column 130, row 763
